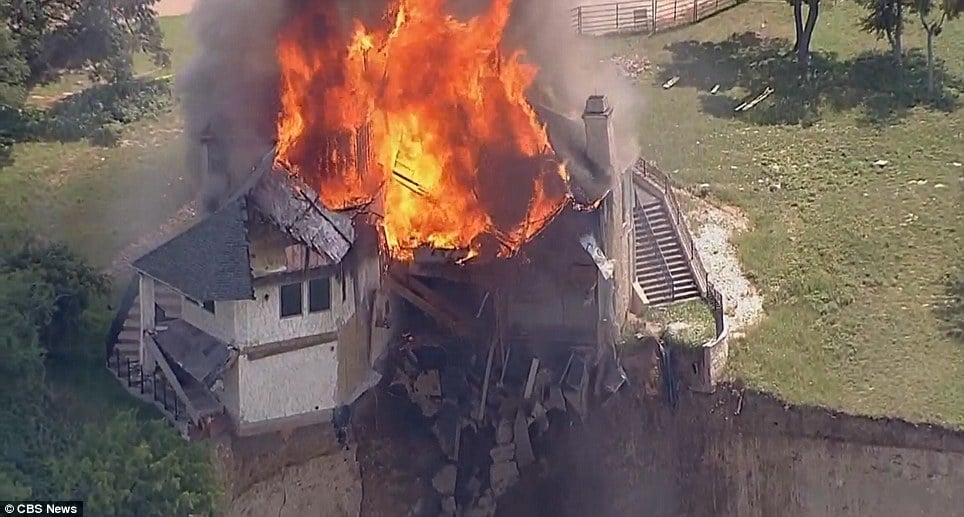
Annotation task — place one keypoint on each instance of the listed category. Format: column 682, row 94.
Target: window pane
column 290, row 300
column 209, row 306
column 319, row 294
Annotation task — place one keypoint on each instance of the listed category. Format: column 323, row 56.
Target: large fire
column 426, row 112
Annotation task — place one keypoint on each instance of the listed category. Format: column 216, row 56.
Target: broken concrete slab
column 503, row 453
column 448, row 506
column 444, row 480
column 502, row 476
column 428, row 406
column 428, row 384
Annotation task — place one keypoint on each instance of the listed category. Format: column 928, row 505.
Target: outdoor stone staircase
column 152, row 387
column 661, row 267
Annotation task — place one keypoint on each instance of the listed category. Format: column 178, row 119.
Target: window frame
column 301, row 300
column 327, row 281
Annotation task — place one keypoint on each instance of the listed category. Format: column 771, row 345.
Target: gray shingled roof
column 198, row 353
column 208, row 261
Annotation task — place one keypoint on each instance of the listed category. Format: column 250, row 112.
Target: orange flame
column 427, row 113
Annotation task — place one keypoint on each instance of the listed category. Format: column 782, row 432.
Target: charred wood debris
column 490, row 406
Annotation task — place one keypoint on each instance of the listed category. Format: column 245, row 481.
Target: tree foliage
column 885, row 19
column 136, row 466
column 98, row 36
column 120, row 465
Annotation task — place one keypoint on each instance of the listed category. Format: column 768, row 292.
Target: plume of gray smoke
column 570, row 70
column 231, row 88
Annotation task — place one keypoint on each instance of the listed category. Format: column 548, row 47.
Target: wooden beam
column 289, row 345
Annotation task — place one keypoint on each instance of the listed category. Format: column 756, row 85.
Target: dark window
column 290, row 300
column 192, row 300
column 208, row 306
column 319, row 294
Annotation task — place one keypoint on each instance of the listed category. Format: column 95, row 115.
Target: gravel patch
column 714, row 228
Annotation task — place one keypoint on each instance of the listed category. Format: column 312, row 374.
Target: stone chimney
column 599, row 133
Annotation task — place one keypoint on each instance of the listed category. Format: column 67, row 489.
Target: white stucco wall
column 288, row 384
column 259, row 321
column 221, row 324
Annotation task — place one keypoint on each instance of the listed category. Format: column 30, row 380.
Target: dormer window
column 290, row 300
column 319, row 294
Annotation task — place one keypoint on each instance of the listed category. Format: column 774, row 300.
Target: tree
column 99, row 36
column 933, row 14
column 62, row 288
column 804, row 30
column 885, row 18
column 133, row 467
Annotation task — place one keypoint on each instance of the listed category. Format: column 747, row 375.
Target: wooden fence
column 634, row 16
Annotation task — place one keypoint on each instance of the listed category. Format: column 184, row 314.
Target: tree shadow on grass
column 96, row 114
column 951, row 311
column 745, row 64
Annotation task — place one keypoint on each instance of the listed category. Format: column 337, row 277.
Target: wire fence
column 635, row 16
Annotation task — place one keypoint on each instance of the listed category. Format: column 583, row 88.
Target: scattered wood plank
column 671, row 83
column 746, row 106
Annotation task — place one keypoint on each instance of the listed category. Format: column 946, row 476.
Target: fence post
column 696, row 12
column 579, row 20
column 617, row 16
column 652, row 27
column 128, row 372
column 142, row 380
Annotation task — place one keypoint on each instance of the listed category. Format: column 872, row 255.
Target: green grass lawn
column 100, row 200
column 176, row 38
column 856, row 261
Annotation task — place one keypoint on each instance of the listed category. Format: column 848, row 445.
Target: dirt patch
column 302, row 472
column 397, row 456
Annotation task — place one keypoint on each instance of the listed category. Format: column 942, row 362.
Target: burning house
column 418, row 221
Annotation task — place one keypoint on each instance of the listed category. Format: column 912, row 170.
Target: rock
column 444, row 480
column 428, row 406
column 704, row 189
column 881, row 163
column 503, row 476
column 484, row 507
column 503, row 434
column 448, row 506
column 503, row 453
column 428, row 384
column 473, row 486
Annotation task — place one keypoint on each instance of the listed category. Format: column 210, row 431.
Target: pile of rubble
column 631, row 67
column 477, row 405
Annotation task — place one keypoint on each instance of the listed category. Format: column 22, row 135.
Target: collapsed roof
column 211, row 260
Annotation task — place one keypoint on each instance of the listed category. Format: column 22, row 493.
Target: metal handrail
column 664, row 266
